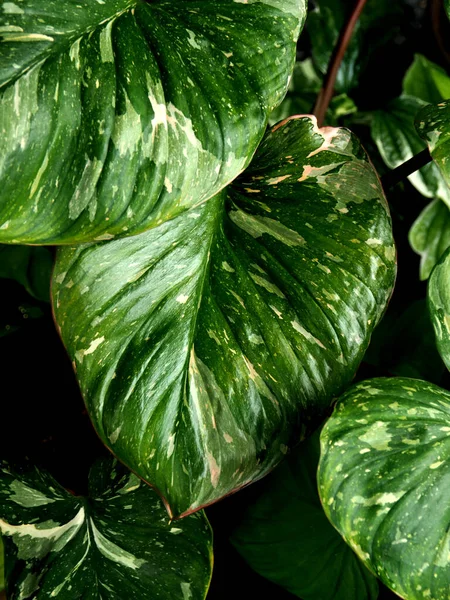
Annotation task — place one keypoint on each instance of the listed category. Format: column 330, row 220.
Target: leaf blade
column 152, row 109
column 389, row 437
column 201, row 338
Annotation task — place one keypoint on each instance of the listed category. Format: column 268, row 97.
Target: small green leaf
column 397, row 140
column 121, row 114
column 426, row 80
column 430, row 235
column 384, row 481
column 433, row 124
column 30, row 266
column 118, row 543
column 205, row 346
column 286, row 537
column 439, row 305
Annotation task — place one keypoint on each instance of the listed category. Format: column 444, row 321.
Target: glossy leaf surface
column 119, row 115
column 115, row 544
column 286, row 537
column 384, row 481
column 433, row 124
column 397, row 140
column 204, row 346
column 439, row 305
column 430, row 235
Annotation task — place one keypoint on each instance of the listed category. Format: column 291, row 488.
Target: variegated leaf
column 433, row 124
column 116, row 544
column 384, row 481
column 204, row 346
column 439, row 305
column 116, row 116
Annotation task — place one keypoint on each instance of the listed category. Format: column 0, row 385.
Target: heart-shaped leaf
column 439, row 305
column 384, row 481
column 118, row 115
column 286, row 537
column 397, row 140
column 118, row 543
column 205, row 345
column 430, row 235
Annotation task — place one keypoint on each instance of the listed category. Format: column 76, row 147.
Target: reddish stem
column 327, row 91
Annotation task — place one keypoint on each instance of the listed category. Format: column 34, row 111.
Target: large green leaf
column 430, row 235
column 30, row 266
column 118, row 115
column 426, row 80
column 384, row 480
column 286, row 537
column 433, row 124
column 397, row 140
column 205, row 345
column 439, row 305
column 115, row 544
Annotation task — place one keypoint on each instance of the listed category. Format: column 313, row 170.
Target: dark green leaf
column 433, row 124
column 426, row 80
column 204, row 346
column 32, row 267
column 119, row 115
column 324, row 25
column 397, row 140
column 439, row 305
column 404, row 344
column 303, row 89
column 384, row 482
column 116, row 544
column 2, row 568
column 286, row 537
column 430, row 235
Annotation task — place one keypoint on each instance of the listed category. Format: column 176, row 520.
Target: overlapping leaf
column 203, row 346
column 394, row 133
column 286, row 537
column 430, row 235
column 118, row 115
column 117, row 543
column 433, row 124
column 384, row 482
